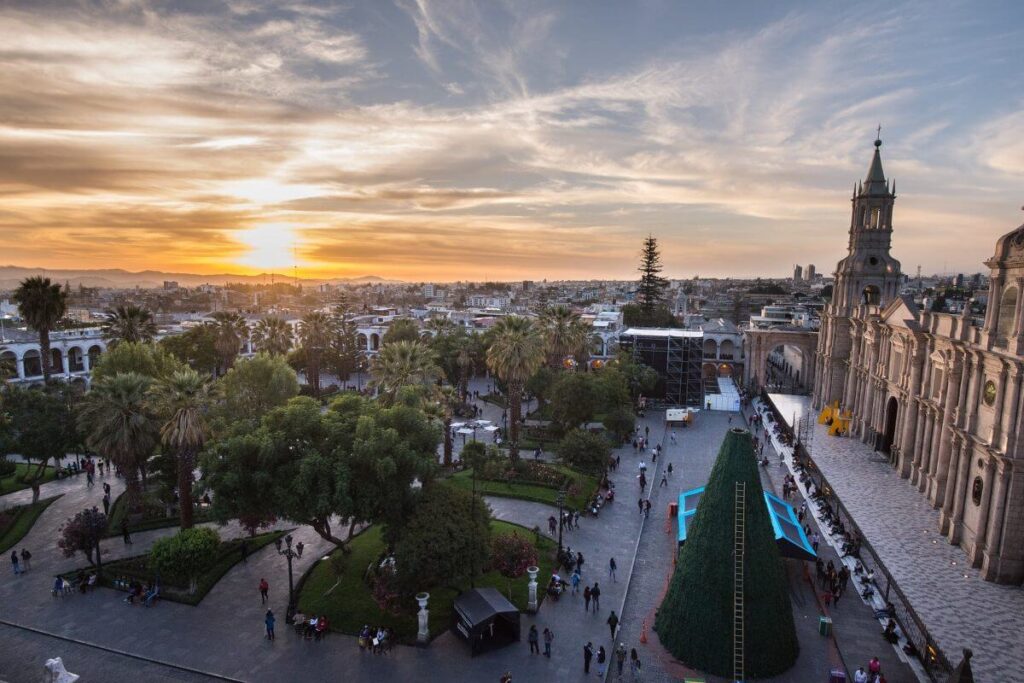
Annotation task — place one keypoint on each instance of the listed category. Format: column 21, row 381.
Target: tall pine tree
column 650, row 294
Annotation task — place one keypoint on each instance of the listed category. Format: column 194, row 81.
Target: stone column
column 423, row 634
column 981, row 538
column 85, row 361
column 974, row 393
column 926, row 448
column 20, row 367
column 66, row 362
column 960, row 492
column 908, row 446
column 994, row 535
column 965, row 383
column 997, row 423
column 1008, row 416
column 942, row 474
column 531, row 606
column 952, row 484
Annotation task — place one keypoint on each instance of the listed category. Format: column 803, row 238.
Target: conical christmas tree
column 695, row 622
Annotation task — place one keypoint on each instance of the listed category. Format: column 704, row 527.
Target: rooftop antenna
column 919, row 278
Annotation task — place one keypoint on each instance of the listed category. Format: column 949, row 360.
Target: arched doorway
column 725, row 370
column 785, row 369
column 889, row 433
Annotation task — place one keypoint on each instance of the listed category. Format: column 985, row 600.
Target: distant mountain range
column 117, row 278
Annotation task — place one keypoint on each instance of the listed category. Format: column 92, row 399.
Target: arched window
column 1007, row 315
column 710, row 348
column 871, row 296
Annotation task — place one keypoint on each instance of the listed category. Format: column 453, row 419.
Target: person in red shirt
column 874, row 666
column 321, row 627
column 264, row 589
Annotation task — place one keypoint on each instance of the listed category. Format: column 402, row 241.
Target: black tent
column 485, row 619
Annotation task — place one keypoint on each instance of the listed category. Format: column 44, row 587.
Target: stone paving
column 902, row 527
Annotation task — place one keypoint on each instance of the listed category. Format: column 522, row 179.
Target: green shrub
column 183, row 557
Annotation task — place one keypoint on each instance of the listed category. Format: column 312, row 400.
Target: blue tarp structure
column 789, row 535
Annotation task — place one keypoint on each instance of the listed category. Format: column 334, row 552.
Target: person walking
column 634, row 664
column 595, row 595
column 264, row 590
column 533, row 639
column 640, row 504
column 298, row 549
column 244, row 549
column 269, row 620
column 815, row 540
column 588, row 654
column 574, row 580
column 643, row 483
column 548, row 637
column 611, row 569
column 552, row 525
column 579, row 563
column 620, row 658
column 664, row 479
column 106, row 504
column 15, row 563
column 860, row 675
column 670, row 469
column 586, row 592
column 26, row 559
column 602, row 659
column 613, row 623
column 127, row 537
column 647, row 508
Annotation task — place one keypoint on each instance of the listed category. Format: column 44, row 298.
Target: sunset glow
column 415, row 139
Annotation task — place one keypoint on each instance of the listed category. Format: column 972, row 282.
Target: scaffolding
column 677, row 356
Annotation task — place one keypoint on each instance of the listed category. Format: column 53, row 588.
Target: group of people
column 377, row 640
column 21, row 564
column 310, row 627
column 872, row 675
column 831, row 581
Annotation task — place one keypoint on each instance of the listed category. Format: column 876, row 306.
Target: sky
column 507, row 139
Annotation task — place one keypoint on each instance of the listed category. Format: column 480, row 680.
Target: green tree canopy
column 154, row 362
column 574, row 400
column 186, row 554
column 41, row 304
column 586, row 451
column 82, row 533
column 254, row 386
column 403, row 329
column 196, row 347
column 446, row 541
column 695, row 622
column 128, row 323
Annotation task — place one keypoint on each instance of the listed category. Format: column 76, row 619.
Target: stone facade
column 940, row 395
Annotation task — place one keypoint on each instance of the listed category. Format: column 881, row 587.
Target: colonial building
column 937, row 392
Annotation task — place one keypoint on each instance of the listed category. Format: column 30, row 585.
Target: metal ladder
column 739, row 550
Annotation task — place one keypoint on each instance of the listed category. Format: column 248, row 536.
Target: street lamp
column 289, row 555
column 560, row 501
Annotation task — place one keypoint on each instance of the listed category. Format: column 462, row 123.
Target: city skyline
column 418, row 141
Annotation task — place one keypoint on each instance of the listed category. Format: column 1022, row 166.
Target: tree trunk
column 515, row 406
column 186, row 462
column 314, row 374
column 132, row 492
column 323, row 529
column 36, row 478
column 447, row 442
column 44, row 352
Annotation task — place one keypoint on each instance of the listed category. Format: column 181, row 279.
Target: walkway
column 960, row 611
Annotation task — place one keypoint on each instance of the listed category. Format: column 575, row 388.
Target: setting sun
column 269, row 247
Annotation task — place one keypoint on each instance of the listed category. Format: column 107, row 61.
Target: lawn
column 17, row 521
column 154, row 515
column 585, row 486
column 137, row 567
column 347, row 602
column 13, row 482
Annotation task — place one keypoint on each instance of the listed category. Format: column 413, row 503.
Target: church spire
column 874, row 183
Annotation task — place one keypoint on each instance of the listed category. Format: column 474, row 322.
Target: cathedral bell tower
column 868, row 277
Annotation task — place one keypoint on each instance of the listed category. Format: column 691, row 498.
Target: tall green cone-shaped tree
column 651, row 292
column 695, row 622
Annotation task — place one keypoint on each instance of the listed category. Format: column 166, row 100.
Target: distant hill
column 116, row 278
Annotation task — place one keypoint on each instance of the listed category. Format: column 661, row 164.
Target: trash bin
column 825, row 626
column 836, row 676
column 673, row 509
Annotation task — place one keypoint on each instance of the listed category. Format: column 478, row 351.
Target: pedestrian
column 588, row 654
column 506, row 677
column 647, row 508
column 127, row 537
column 26, row 559
column 586, row 590
column 836, row 593
column 548, row 637
column 670, row 469
column 533, row 639
column 672, row 436
column 647, row 432
column 634, row 664
column 595, row 595
column 860, row 675
column 613, row 623
column 15, row 563
column 579, row 563
column 264, row 590
column 298, row 548
column 643, row 483
column 620, row 657
column 602, row 658
column 642, row 467
column 874, row 667
column 575, row 581
column 664, row 479
column 611, row 569
column 815, row 540
column 552, row 524
column 106, row 488
column 640, row 504
column 269, row 621
column 106, row 504
column 576, row 519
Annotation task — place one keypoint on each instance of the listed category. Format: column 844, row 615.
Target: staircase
column 739, row 549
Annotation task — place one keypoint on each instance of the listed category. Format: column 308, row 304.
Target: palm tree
column 448, row 400
column 41, row 304
column 129, row 324
column 316, row 331
column 118, row 424
column 515, row 353
column 272, row 335
column 232, row 331
column 182, row 400
column 564, row 334
column 464, row 360
column 403, row 363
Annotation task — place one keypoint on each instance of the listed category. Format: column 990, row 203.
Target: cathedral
column 939, row 393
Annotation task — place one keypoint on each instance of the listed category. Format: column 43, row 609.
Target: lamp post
column 289, row 555
column 560, row 500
